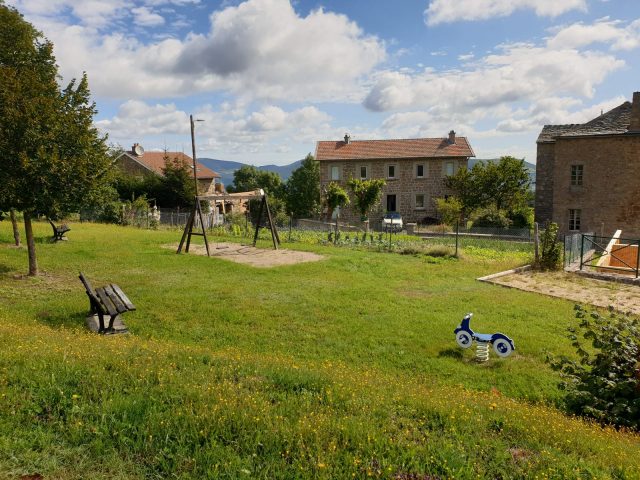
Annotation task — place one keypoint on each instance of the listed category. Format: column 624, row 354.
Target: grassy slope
column 341, row 368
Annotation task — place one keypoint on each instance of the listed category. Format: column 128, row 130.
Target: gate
column 618, row 255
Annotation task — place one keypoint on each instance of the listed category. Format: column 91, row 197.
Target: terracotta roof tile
column 397, row 148
column 154, row 161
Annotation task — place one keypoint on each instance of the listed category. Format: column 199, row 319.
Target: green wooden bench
column 108, row 300
column 59, row 230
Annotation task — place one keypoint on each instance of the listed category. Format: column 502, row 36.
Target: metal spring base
column 482, row 351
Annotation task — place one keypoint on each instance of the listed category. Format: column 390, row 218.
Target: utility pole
column 193, row 150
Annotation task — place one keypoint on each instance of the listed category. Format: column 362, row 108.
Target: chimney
column 347, row 139
column 634, row 125
column 452, row 137
column 137, row 150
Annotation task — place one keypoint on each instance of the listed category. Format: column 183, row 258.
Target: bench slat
column 117, row 302
column 106, row 301
column 123, row 297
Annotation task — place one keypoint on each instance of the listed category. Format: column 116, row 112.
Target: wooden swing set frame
column 197, row 210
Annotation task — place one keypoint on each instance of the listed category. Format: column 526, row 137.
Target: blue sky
column 271, row 77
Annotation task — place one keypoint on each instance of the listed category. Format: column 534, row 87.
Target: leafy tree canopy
column 366, row 193
column 503, row 185
column 335, row 196
column 303, row 189
column 249, row 177
column 52, row 155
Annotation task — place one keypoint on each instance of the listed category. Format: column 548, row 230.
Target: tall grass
column 344, row 368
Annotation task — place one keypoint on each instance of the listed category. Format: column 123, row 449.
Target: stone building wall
column 131, row 167
column 544, row 183
column 609, row 198
column 405, row 186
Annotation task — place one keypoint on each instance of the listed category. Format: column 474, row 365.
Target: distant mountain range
column 226, row 168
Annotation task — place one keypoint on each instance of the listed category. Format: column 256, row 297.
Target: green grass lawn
column 343, row 368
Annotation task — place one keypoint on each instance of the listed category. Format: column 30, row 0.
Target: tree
column 366, row 194
column 335, row 197
column 501, row 186
column 176, row 187
column 504, row 184
column 52, row 154
column 449, row 209
column 248, row 178
column 303, row 189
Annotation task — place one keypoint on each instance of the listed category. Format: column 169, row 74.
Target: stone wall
column 131, row 167
column 544, row 183
column 405, row 186
column 609, row 198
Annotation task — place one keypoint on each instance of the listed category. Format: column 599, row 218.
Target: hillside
column 227, row 167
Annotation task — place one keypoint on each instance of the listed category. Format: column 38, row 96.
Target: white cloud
column 446, row 11
column 258, row 49
column 145, row 17
column 229, row 128
column 608, row 31
column 136, row 119
column 265, row 47
column 518, row 73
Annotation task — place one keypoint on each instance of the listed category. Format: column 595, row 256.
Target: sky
column 269, row 78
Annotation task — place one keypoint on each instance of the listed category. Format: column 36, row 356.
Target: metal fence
column 613, row 255
column 572, row 250
column 519, row 234
column 178, row 218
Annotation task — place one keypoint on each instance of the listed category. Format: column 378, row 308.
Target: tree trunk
column 31, row 245
column 14, row 224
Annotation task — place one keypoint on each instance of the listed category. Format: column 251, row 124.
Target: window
column 335, row 173
column 391, row 203
column 363, row 172
column 419, row 171
column 391, row 171
column 574, row 219
column 419, row 200
column 448, row 168
column 576, row 174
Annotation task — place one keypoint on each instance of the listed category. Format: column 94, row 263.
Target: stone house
column 588, row 175
column 414, row 171
column 139, row 163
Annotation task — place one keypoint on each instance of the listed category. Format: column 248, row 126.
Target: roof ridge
column 395, row 139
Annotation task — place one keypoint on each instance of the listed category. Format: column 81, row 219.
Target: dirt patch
column 622, row 297
column 256, row 257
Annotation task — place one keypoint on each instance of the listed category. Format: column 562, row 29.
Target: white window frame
column 331, row 170
column 446, row 168
column 395, row 170
column 424, row 201
column 577, row 175
column 575, row 219
column 424, row 170
column 366, row 170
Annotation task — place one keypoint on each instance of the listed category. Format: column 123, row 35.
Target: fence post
column 457, row 233
column 638, row 259
column 581, row 250
column 536, row 242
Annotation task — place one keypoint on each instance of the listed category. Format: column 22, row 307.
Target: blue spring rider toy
column 502, row 345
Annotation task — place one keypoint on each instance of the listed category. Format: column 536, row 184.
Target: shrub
column 449, row 209
column 491, row 217
column 604, row 383
column 521, row 218
column 550, row 248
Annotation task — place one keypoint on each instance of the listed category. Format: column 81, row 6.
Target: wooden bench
column 59, row 231
column 108, row 300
